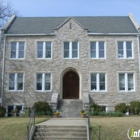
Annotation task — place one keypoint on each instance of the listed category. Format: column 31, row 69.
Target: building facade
column 70, row 56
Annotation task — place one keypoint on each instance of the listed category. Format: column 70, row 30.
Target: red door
column 71, row 85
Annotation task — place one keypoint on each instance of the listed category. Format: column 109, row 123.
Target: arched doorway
column 71, row 85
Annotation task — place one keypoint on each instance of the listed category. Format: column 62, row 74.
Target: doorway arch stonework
column 65, row 75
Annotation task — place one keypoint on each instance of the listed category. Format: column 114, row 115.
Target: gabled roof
column 97, row 24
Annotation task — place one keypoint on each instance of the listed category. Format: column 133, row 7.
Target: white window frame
column 15, row 84
column 70, row 50
column 98, row 82
column 125, row 50
column 44, row 49
column 43, row 82
column 126, row 81
column 17, row 50
column 97, row 49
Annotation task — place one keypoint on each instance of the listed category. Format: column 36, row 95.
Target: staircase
column 70, row 108
column 44, row 132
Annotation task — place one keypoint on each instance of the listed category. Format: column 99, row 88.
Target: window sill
column 126, row 91
column 125, row 58
column 15, row 90
column 97, row 58
column 43, row 91
column 43, row 58
column 70, row 58
column 94, row 91
column 16, row 58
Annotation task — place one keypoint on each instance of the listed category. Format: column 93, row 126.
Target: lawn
column 114, row 128
column 14, row 128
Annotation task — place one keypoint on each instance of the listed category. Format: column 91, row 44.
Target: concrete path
column 65, row 122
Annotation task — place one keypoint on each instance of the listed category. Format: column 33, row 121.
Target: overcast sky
column 37, row 8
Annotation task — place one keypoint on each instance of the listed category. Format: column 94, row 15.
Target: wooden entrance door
column 71, row 85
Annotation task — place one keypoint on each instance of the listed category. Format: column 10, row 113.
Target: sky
column 51, row 8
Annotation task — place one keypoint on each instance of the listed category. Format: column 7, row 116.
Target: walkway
column 65, row 122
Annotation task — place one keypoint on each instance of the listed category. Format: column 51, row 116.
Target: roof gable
column 69, row 20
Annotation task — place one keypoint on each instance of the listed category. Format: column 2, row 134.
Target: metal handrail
column 31, row 124
column 89, row 128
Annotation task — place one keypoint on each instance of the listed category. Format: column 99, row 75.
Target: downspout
column 138, row 53
column 3, row 69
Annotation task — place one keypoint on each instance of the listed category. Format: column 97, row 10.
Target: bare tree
column 6, row 11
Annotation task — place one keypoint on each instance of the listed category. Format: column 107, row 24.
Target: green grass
column 114, row 128
column 15, row 128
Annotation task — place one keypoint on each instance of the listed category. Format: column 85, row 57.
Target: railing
column 89, row 127
column 31, row 125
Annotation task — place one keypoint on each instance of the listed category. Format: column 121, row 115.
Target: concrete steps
column 70, row 108
column 55, row 132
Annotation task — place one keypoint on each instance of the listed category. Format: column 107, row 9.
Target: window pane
column 66, row 49
column 129, row 49
column 47, row 81
column 93, row 49
column 19, row 81
column 74, row 49
column 40, row 50
column 101, row 49
column 121, row 81
column 130, row 82
column 120, row 50
column 102, row 81
column 21, row 49
column 11, row 81
column 13, row 50
column 93, row 82
column 39, row 82
column 48, row 49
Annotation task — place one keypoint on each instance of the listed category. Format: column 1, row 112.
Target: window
column 17, row 50
column 98, row 81
column 15, row 81
column 44, row 50
column 43, row 81
column 97, row 49
column 71, row 50
column 126, row 82
column 125, row 49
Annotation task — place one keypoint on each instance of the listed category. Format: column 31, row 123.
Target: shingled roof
column 46, row 25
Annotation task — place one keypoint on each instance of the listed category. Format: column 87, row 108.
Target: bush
column 2, row 111
column 97, row 107
column 103, row 113
column 122, row 107
column 135, row 107
column 42, row 108
column 115, row 114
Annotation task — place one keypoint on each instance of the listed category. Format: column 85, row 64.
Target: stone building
column 71, row 56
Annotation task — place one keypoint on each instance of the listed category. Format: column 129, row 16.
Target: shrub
column 2, row 111
column 83, row 112
column 122, row 107
column 42, row 108
column 115, row 114
column 96, row 107
column 103, row 113
column 135, row 107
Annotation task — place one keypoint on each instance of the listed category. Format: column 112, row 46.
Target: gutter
column 138, row 53
column 113, row 33
column 3, row 69
column 51, row 34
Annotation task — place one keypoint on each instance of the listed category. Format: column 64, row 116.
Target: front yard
column 112, row 128
column 14, row 128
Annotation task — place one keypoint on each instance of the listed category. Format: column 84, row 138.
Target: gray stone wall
column 83, row 66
